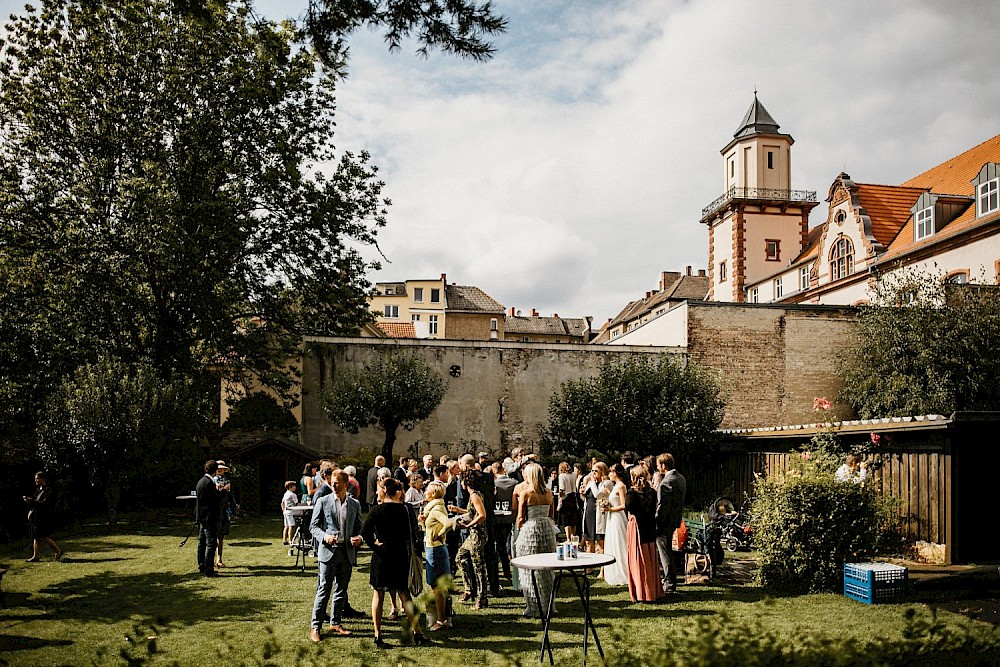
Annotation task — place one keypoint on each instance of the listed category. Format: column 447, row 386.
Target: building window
column 989, row 197
column 525, row 339
column 615, row 333
column 389, row 291
column 432, row 325
column 772, row 250
column 722, row 272
column 732, row 168
column 753, row 295
column 435, row 295
column 770, row 159
column 804, row 278
column 415, row 318
column 778, row 290
column 418, row 294
column 391, row 312
column 493, row 324
column 957, row 278
column 925, row 222
column 841, row 259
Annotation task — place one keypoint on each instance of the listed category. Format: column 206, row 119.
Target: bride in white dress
column 616, row 574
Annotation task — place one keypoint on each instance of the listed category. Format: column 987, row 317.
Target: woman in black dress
column 40, row 516
column 390, row 531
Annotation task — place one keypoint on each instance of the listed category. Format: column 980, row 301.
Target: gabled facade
column 432, row 308
column 946, row 221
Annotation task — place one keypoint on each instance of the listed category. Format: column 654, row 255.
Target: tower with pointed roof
column 759, row 222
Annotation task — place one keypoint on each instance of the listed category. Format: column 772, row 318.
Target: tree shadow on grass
column 21, row 643
column 159, row 597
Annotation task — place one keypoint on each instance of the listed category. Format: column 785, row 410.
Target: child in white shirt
column 288, row 501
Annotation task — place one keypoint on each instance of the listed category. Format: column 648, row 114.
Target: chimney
column 701, row 273
column 534, row 313
column 510, row 311
column 668, row 278
column 555, row 314
column 444, row 278
column 687, row 270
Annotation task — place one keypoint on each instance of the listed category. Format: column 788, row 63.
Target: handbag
column 415, row 580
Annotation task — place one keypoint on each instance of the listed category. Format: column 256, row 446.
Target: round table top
column 549, row 561
column 189, row 497
column 301, row 508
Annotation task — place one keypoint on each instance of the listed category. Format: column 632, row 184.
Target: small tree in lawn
column 392, row 390
column 645, row 404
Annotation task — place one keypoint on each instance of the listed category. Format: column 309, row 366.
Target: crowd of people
column 431, row 520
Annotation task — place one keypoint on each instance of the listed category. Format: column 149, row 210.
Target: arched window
column 841, row 258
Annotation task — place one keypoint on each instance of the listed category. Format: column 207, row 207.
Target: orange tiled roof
column 888, row 206
column 954, row 177
column 398, row 329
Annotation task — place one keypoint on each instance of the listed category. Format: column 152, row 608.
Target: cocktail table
column 575, row 569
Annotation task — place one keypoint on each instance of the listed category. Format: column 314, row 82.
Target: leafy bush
column 807, row 525
column 645, row 404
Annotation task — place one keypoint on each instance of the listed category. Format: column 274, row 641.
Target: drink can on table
column 560, row 552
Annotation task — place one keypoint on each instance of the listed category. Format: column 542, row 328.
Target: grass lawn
column 115, row 589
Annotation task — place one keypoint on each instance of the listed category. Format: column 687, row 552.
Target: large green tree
column 170, row 195
column 924, row 346
column 391, row 390
column 641, row 403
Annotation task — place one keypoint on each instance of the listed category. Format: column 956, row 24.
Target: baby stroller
column 733, row 524
column 704, row 541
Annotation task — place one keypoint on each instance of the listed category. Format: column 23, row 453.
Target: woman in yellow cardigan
column 437, row 568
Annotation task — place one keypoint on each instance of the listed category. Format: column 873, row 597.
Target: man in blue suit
column 336, row 527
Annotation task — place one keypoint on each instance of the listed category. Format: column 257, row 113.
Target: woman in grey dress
column 536, row 535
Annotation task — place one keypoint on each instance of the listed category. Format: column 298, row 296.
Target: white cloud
column 569, row 171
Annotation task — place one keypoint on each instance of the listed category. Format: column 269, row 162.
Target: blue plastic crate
column 874, row 582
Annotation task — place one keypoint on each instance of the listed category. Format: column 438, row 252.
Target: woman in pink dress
column 643, row 563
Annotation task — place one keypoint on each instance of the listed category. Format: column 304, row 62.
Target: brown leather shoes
column 314, row 636
column 340, row 630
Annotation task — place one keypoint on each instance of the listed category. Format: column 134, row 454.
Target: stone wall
column 772, row 359
column 499, row 398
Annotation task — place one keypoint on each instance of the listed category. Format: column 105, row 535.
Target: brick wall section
column 772, row 361
column 470, row 326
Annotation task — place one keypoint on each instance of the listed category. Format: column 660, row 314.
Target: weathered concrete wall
column 499, row 399
column 772, row 360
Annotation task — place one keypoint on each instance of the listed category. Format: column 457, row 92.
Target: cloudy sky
column 570, row 170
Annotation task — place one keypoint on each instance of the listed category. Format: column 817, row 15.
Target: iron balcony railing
column 770, row 194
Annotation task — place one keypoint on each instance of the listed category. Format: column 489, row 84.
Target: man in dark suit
column 402, row 473
column 336, row 526
column 208, row 508
column 669, row 512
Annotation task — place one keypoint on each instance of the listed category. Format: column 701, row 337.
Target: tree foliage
column 261, row 412
column 119, row 423
column 925, row 347
column 460, row 27
column 391, row 390
column 644, row 404
column 169, row 194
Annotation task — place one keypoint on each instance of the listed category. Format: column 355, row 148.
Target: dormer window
column 986, row 186
column 841, row 259
column 924, row 222
column 988, row 197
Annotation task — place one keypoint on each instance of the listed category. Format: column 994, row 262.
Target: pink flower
column 821, row 404
column 876, row 439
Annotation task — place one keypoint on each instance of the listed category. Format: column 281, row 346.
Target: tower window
column 925, row 222
column 732, row 168
column 722, row 272
column 770, row 159
column 841, row 259
column 772, row 250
